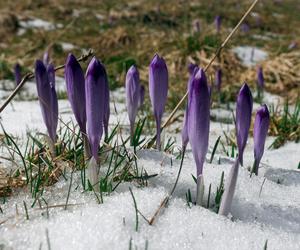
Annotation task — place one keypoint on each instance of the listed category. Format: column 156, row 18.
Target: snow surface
column 36, row 23
column 262, row 208
column 249, row 55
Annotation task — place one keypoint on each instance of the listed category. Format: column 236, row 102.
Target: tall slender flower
column 95, row 84
column 106, row 114
column 229, row 189
column 184, row 132
column 196, row 26
column 158, row 88
column 218, row 79
column 260, row 77
column 54, row 102
column 45, row 82
column 75, row 83
column 243, row 118
column 218, row 21
column 198, row 123
column 245, row 27
column 142, row 95
column 17, row 70
column 260, row 131
column 132, row 87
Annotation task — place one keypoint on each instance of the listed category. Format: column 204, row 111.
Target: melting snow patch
column 37, row 23
column 67, row 46
column 250, row 56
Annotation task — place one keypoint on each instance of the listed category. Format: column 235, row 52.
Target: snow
column 262, row 209
column 67, row 46
column 249, row 55
column 36, row 23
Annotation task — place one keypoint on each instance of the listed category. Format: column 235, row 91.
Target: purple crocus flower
column 184, row 132
column 132, row 87
column 218, row 20
column 158, row 88
column 243, row 118
column 260, row 77
column 106, row 114
column 17, row 70
column 218, row 79
column 196, row 26
column 227, row 196
column 245, row 27
column 75, row 83
column 54, row 101
column 293, row 45
column 198, row 119
column 45, row 82
column 141, row 95
column 260, row 131
column 95, row 84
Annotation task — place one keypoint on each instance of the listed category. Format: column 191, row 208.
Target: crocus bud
column 132, row 87
column 218, row 23
column 260, row 77
column 142, row 95
column 196, row 26
column 54, row 101
column 158, row 88
column 17, row 70
column 106, row 114
column 47, row 97
column 260, row 131
column 243, row 118
column 229, row 189
column 184, row 132
column 198, row 122
column 95, row 84
column 75, row 83
column 245, row 27
column 218, row 79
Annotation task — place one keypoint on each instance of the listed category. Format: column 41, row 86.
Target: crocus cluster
column 158, row 90
column 45, row 82
column 260, row 131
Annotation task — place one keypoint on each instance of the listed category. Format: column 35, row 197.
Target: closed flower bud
column 243, row 118
column 158, row 89
column 260, row 132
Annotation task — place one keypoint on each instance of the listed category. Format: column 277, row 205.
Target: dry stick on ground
column 167, row 198
column 29, row 76
column 217, row 53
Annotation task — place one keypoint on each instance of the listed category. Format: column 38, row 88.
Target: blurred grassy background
column 125, row 32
